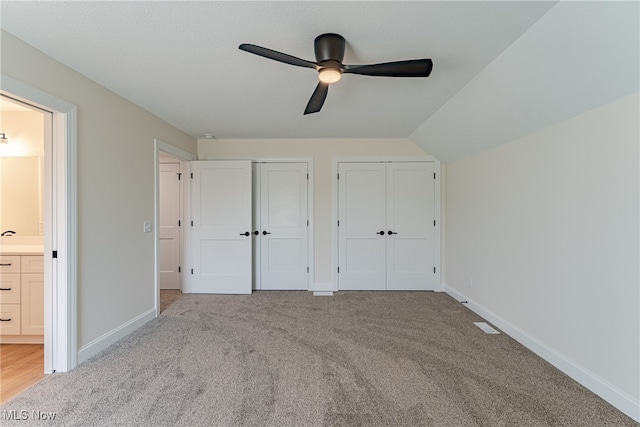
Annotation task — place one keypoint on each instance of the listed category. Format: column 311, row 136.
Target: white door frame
column 60, row 231
column 334, row 210
column 310, row 201
column 185, row 166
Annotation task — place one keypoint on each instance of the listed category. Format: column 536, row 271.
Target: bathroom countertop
column 21, row 249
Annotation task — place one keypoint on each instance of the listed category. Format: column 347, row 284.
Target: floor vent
column 486, row 328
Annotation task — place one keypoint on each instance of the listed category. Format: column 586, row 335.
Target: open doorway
column 22, row 181
column 58, row 224
column 171, row 208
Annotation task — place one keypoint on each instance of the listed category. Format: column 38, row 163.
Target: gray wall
column 546, row 229
column 115, row 189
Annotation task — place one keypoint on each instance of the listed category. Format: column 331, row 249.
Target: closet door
column 362, row 226
column 386, row 230
column 410, row 219
column 255, row 197
column 283, row 226
column 221, row 229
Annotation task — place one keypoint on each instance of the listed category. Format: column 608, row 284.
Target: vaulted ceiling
column 501, row 69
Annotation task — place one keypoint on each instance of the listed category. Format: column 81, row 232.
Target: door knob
column 256, row 232
column 264, row 233
column 391, row 232
column 245, row 234
column 381, row 233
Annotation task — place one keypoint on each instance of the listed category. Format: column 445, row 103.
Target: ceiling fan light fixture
column 329, row 75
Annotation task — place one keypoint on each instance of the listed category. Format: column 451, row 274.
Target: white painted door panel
column 256, row 275
column 410, row 214
column 283, row 226
column 396, row 198
column 221, row 231
column 361, row 212
column 169, row 245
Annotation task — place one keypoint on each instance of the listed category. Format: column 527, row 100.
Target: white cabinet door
column 361, row 213
column 169, row 245
column 283, row 226
column 32, row 306
column 386, row 231
column 410, row 219
column 221, row 231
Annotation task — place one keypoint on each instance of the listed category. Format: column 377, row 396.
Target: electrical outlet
column 146, row 226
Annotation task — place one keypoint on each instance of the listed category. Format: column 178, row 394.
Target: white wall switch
column 146, row 226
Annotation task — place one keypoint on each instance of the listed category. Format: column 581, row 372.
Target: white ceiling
column 180, row 61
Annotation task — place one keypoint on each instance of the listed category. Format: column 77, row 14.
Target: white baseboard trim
column 323, row 293
column 607, row 391
column 323, row 287
column 96, row 346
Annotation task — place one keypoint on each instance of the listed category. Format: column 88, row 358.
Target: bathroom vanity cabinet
column 21, row 298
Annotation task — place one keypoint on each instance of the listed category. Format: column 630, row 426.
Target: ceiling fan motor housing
column 329, row 49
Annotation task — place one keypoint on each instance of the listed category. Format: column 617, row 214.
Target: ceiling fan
column 329, row 49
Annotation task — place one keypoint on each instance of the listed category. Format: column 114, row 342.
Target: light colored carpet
column 168, row 297
column 292, row 359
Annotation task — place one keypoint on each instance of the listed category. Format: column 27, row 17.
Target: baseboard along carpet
column 292, row 359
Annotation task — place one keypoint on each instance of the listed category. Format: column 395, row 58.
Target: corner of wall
column 607, row 391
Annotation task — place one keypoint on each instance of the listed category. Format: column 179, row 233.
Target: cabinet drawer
column 10, row 288
column 32, row 264
column 10, row 319
column 10, row 264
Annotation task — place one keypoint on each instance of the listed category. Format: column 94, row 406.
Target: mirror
column 21, row 195
column 21, row 168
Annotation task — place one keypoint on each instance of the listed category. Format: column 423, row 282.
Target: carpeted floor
column 292, row 359
column 168, row 297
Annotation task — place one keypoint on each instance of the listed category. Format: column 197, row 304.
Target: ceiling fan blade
column 317, row 99
column 410, row 68
column 277, row 56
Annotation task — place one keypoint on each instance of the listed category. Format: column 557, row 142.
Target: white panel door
column 221, row 230
column 410, row 226
column 169, row 245
column 362, row 226
column 256, row 278
column 283, row 226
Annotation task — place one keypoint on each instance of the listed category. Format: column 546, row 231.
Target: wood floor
column 21, row 366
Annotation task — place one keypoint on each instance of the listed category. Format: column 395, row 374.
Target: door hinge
column 338, row 176
column 434, row 270
column 178, row 269
column 192, row 271
column 178, row 223
column 307, row 223
column 179, row 176
column 191, row 175
column 55, row 254
column 192, row 223
column 307, row 269
column 434, row 222
column 338, row 269
column 434, row 175
column 307, row 177
column 338, row 223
